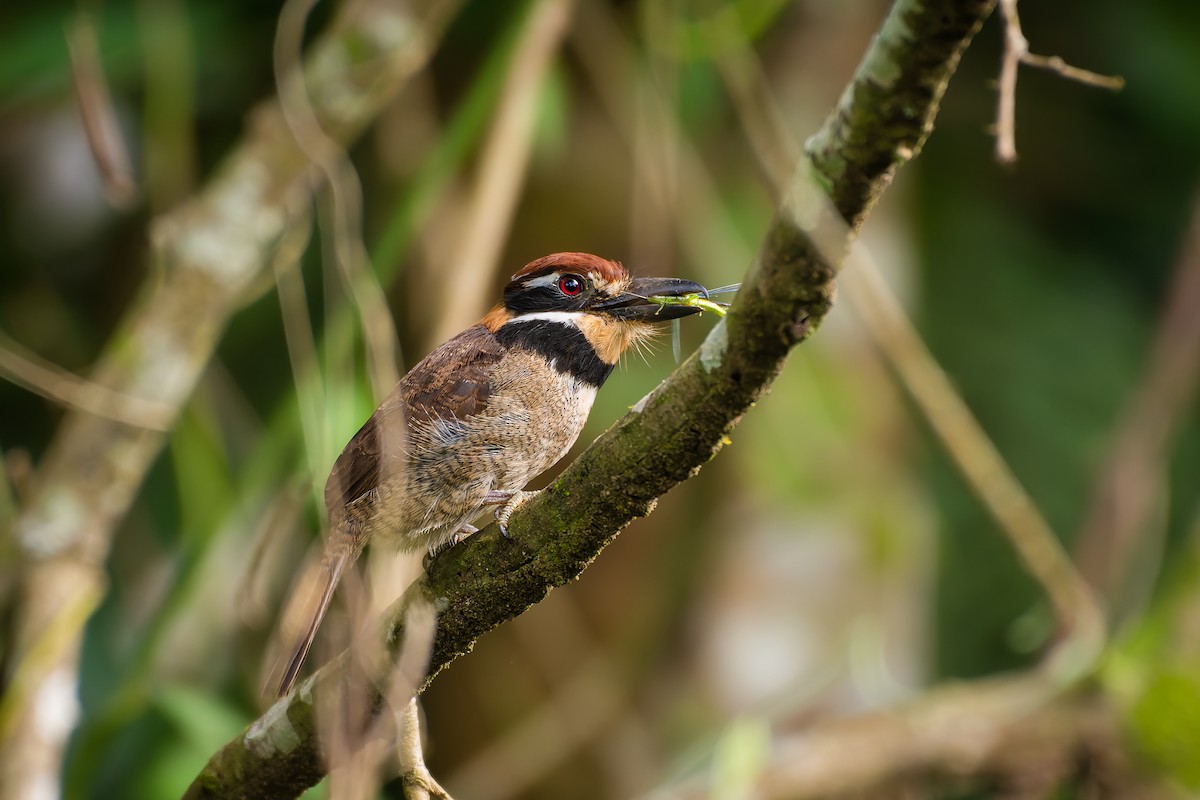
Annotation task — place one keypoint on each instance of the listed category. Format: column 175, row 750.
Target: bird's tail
column 332, row 567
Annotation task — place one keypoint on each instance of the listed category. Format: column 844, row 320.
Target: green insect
column 696, row 300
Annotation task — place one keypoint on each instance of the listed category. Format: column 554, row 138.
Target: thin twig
column 1055, row 64
column 1015, row 46
column 342, row 183
column 298, row 335
column 56, row 384
column 96, row 110
column 1127, row 485
column 1016, row 53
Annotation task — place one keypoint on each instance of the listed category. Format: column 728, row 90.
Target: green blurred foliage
column 1166, row 718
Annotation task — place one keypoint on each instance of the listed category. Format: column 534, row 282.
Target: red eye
column 570, row 285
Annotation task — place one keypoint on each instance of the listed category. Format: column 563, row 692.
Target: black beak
column 633, row 305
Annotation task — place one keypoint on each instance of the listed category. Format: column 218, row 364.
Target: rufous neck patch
column 496, row 317
column 612, row 337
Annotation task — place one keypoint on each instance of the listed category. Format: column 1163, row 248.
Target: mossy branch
column 881, row 122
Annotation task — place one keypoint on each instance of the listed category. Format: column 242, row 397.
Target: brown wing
column 452, row 382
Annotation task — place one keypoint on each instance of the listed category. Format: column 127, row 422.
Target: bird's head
column 594, row 295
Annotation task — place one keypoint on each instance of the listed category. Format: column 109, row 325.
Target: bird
column 480, row 416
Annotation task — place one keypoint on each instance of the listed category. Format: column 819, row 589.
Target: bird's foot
column 464, row 530
column 512, row 502
column 420, row 785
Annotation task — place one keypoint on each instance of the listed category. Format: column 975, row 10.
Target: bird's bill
column 649, row 300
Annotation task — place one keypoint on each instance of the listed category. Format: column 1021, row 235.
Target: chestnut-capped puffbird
column 484, row 413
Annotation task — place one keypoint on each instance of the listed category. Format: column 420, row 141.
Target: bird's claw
column 505, row 512
column 461, row 533
column 419, row 785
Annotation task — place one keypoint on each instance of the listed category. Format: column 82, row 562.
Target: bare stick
column 1125, row 489
column 60, row 386
column 99, row 118
column 1016, row 53
column 329, row 157
column 1056, row 65
column 1015, row 45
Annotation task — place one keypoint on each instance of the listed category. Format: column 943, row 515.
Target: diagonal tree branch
column 881, row 122
column 211, row 254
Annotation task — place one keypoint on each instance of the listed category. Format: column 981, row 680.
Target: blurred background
column 830, row 561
